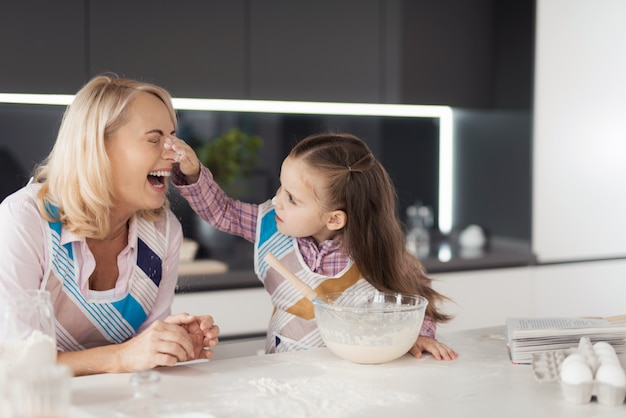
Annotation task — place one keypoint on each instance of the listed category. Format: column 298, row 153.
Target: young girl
column 333, row 223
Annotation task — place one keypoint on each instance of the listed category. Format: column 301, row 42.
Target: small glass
column 146, row 401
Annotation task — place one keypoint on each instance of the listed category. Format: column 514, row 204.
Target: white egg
column 603, row 346
column 606, row 358
column 606, row 354
column 575, row 372
column 574, row 357
column 611, row 373
column 603, row 351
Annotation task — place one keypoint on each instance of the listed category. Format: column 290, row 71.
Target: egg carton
column 547, row 367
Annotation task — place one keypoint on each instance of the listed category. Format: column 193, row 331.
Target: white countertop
column 481, row 382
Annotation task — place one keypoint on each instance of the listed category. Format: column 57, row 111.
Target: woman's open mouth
column 157, row 179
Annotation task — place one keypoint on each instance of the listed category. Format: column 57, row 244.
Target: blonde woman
column 94, row 228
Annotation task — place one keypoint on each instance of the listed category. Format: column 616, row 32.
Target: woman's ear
column 337, row 220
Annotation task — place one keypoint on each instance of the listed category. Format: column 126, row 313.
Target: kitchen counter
column 481, row 382
column 443, row 257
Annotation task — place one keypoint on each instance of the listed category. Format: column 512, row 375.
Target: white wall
column 579, row 146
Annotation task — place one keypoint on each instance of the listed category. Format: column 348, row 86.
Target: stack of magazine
column 527, row 336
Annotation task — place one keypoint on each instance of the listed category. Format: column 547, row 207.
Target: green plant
column 231, row 157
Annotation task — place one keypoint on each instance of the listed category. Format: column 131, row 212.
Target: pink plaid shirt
column 213, row 205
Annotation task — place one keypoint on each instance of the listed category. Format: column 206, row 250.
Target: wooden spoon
column 302, row 287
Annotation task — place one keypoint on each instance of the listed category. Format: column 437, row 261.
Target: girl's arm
column 196, row 184
column 429, row 327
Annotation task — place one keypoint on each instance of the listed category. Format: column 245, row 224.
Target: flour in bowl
column 368, row 354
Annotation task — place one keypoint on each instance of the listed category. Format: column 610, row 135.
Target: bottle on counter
column 420, row 219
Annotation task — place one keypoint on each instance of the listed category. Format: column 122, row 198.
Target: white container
column 27, row 330
column 27, row 342
column 606, row 386
column 40, row 392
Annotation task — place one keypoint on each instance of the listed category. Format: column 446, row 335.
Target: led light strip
column 444, row 113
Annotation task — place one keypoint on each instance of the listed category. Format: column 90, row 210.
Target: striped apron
column 292, row 325
column 82, row 323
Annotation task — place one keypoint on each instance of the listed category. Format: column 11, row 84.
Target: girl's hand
column 439, row 350
column 185, row 156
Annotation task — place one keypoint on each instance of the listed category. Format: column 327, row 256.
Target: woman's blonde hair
column 76, row 176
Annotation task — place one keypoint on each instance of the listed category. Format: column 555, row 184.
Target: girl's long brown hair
column 356, row 183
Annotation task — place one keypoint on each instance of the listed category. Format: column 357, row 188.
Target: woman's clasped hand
column 180, row 337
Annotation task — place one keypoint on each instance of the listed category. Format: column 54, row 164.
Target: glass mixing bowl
column 369, row 327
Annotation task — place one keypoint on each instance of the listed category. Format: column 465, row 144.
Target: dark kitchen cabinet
column 42, row 46
column 320, row 51
column 192, row 48
column 324, row 51
column 477, row 54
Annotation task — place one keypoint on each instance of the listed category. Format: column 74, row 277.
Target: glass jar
column 27, row 330
column 27, row 338
column 40, row 392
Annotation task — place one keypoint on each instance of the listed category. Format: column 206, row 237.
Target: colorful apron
column 82, row 323
column 292, row 326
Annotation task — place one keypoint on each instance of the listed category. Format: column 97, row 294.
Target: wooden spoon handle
column 302, row 287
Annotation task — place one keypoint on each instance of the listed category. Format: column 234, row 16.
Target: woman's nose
column 169, row 152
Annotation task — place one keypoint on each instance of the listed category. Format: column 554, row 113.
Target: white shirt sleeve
column 23, row 244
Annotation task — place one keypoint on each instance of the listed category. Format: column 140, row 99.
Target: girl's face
column 139, row 161
column 298, row 213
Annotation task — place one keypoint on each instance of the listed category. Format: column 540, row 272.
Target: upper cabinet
column 473, row 54
column 469, row 54
column 192, row 48
column 42, row 46
column 281, row 50
column 320, row 51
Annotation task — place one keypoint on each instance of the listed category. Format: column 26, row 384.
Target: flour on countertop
column 300, row 398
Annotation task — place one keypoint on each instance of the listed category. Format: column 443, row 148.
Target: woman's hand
column 202, row 331
column 178, row 338
column 163, row 343
column 439, row 350
column 186, row 157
